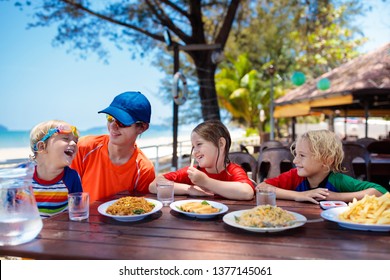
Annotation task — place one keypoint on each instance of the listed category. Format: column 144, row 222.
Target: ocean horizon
column 21, row 138
column 156, row 142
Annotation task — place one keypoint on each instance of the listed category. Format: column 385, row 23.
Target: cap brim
column 119, row 115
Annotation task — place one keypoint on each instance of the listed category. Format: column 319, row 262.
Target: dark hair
column 212, row 131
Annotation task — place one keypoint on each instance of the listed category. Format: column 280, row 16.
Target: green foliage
column 239, row 90
column 310, row 36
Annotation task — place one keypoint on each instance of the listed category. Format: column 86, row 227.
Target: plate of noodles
column 370, row 213
column 196, row 208
column 129, row 208
column 265, row 218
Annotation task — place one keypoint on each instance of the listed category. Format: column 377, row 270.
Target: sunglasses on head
column 111, row 119
column 61, row 129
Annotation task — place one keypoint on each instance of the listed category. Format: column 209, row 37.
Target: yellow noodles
column 369, row 210
column 130, row 205
column 266, row 216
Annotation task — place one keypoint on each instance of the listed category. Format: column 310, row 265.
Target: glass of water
column 78, row 206
column 265, row 195
column 165, row 191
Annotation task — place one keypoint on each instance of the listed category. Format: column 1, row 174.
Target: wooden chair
column 352, row 151
column 273, row 161
column 247, row 162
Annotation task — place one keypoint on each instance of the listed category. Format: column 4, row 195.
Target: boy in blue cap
column 112, row 163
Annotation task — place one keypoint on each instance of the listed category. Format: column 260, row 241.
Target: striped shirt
column 52, row 196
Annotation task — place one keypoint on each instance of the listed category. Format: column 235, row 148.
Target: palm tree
column 242, row 91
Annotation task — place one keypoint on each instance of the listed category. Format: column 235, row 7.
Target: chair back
column 366, row 141
column 247, row 162
column 273, row 161
column 352, row 151
column 379, row 147
column 270, row 144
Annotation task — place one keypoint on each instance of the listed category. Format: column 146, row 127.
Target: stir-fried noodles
column 130, row 205
column 265, row 216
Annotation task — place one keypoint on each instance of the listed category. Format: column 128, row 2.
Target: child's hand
column 314, row 195
column 198, row 191
column 197, row 177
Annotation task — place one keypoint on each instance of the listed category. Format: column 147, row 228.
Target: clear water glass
column 165, row 191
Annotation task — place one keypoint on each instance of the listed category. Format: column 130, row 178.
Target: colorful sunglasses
column 111, row 119
column 61, row 129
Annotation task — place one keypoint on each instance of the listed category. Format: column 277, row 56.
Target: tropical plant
column 244, row 91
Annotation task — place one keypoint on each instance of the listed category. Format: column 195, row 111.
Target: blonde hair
column 39, row 131
column 325, row 146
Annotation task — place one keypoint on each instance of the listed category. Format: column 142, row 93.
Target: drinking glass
column 265, row 195
column 165, row 191
column 78, row 206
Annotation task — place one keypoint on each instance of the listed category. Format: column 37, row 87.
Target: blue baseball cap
column 129, row 107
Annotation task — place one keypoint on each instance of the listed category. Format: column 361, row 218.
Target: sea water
column 14, row 231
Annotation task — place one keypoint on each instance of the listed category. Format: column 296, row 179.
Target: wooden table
column 171, row 235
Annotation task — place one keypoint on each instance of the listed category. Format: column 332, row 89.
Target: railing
column 161, row 155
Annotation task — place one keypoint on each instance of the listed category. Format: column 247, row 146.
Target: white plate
column 177, row 204
column 231, row 221
column 333, row 216
column 130, row 218
column 328, row 204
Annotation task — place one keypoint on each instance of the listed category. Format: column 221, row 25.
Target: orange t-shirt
column 101, row 178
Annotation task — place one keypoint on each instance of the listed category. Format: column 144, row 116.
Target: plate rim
column 262, row 230
column 173, row 205
column 351, row 225
column 129, row 218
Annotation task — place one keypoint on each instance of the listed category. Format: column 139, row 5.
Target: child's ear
column 41, row 146
column 142, row 126
column 328, row 162
column 222, row 142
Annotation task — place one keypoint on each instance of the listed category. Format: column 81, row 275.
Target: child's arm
column 349, row 196
column 152, row 185
column 181, row 189
column 228, row 189
column 313, row 196
column 192, row 190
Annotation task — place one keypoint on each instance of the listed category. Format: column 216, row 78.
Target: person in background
column 215, row 174
column 54, row 146
column 317, row 176
column 112, row 163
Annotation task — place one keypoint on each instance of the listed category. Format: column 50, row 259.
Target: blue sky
column 39, row 82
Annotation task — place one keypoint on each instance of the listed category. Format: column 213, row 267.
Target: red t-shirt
column 233, row 173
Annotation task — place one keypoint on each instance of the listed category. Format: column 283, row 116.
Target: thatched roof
column 363, row 81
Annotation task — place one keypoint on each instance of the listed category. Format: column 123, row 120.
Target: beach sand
column 14, row 154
